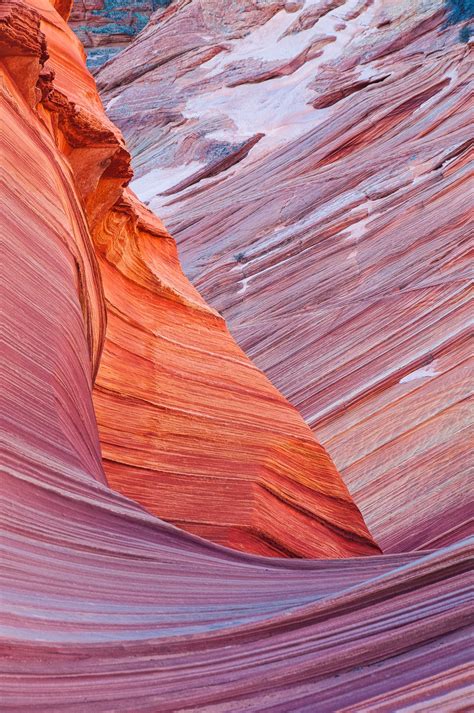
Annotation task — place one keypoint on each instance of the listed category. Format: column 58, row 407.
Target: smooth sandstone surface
column 311, row 160
column 105, row 607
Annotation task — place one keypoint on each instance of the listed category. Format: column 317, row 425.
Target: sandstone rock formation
column 189, row 427
column 310, row 158
column 104, row 607
column 105, row 27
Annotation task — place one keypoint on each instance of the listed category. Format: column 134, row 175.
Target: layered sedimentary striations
column 189, row 427
column 105, row 27
column 104, row 606
column 311, row 160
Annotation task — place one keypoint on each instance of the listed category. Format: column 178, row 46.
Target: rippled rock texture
column 310, row 158
column 189, row 427
column 105, row 27
column 105, row 607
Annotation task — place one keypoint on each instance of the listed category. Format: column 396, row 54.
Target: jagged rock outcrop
column 105, row 27
column 311, row 160
column 105, row 607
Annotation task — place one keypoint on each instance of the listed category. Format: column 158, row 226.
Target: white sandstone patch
column 282, row 111
column 112, row 102
column 162, row 179
column 244, row 283
column 425, row 372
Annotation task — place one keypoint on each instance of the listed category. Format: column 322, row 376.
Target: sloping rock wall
column 311, row 159
column 189, row 427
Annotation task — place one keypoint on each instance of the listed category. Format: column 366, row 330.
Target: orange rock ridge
column 337, row 247
column 189, row 427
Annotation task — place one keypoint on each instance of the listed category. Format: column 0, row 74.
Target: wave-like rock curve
column 335, row 244
column 105, row 607
column 189, row 427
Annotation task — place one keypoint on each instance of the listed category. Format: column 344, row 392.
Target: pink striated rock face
column 105, row 607
column 189, row 427
column 311, row 160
